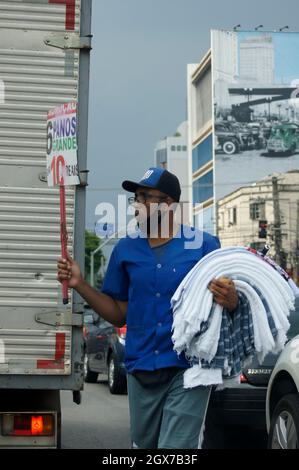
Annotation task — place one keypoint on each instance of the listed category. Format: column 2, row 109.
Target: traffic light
column 263, row 225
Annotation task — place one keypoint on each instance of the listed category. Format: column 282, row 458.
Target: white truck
column 44, row 62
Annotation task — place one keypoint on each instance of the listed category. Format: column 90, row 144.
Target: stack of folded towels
column 218, row 343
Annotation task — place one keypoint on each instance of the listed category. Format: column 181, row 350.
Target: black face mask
column 153, row 217
column 157, row 216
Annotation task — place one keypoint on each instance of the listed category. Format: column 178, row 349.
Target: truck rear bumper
column 30, row 419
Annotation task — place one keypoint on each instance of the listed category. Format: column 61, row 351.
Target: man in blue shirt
column 143, row 273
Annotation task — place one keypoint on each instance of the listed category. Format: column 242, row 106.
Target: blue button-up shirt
column 147, row 278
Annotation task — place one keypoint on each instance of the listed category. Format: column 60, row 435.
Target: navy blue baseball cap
column 157, row 178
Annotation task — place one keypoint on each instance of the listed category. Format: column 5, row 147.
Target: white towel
column 192, row 306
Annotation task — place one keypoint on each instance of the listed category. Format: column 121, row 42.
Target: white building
column 225, row 64
column 171, row 153
column 200, row 144
column 240, row 213
column 257, row 60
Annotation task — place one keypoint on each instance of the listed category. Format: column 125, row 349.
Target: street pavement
column 102, row 422
column 247, row 167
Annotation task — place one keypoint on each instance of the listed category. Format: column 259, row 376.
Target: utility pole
column 277, row 223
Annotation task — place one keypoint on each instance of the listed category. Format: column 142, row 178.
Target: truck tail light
column 37, row 425
column 121, row 332
column 28, row 425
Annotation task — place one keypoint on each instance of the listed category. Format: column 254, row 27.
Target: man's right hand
column 114, row 311
column 69, row 270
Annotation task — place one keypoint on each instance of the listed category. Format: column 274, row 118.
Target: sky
column 138, row 85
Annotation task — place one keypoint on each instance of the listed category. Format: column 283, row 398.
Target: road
column 234, row 171
column 102, row 422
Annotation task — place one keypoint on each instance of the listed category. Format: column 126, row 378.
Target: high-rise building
column 257, row 59
column 226, row 64
column 235, row 113
column 171, row 153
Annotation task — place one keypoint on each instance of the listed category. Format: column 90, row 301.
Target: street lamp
column 287, row 110
column 215, row 110
column 292, row 113
column 249, row 92
column 279, row 106
column 269, row 108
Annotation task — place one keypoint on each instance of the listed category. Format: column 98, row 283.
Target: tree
column 92, row 242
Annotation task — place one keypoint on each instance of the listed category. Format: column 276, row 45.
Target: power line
column 187, row 186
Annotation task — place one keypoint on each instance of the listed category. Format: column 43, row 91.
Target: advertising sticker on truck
column 62, row 164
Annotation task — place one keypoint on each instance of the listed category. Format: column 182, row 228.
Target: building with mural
column 243, row 113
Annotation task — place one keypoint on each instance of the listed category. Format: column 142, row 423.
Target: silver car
column 282, row 402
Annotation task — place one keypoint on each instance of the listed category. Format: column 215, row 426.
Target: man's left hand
column 224, row 293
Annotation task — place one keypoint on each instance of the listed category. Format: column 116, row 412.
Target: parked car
column 258, row 135
column 244, row 406
column 282, row 404
column 245, row 134
column 232, row 138
column 104, row 346
column 284, row 138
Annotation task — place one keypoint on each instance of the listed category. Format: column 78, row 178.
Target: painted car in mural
column 284, row 138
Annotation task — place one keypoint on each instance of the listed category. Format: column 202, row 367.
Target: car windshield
column 282, row 132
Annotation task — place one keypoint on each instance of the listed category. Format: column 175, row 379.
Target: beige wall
column 244, row 231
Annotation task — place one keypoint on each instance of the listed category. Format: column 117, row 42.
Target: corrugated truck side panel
column 36, row 77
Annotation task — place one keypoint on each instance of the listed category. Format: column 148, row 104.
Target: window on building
column 204, row 220
column 257, row 210
column 184, row 148
column 179, row 148
column 173, row 148
column 203, row 94
column 202, row 153
column 232, row 216
column 220, row 220
column 203, row 188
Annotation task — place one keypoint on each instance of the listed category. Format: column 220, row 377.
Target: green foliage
column 92, row 242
